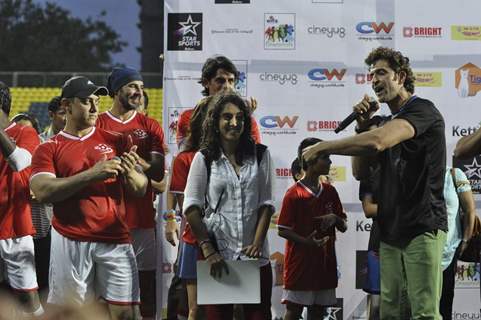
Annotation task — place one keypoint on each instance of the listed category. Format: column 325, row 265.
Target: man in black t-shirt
column 411, row 151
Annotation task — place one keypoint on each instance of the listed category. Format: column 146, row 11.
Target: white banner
column 303, row 61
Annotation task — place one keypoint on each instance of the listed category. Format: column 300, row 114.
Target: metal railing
column 56, row 79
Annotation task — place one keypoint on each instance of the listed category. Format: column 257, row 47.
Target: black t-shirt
column 410, row 196
column 370, row 187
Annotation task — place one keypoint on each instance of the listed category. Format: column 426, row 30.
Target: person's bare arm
column 366, row 143
column 468, row 146
column 310, row 240
column 50, row 189
column 134, row 179
column 216, row 261
column 255, row 249
column 369, row 207
column 6, row 144
column 154, row 169
column 171, row 226
column 467, row 204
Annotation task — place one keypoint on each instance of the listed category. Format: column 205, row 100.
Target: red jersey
column 309, row 268
column 148, row 136
column 15, row 211
column 96, row 213
column 183, row 126
column 180, row 171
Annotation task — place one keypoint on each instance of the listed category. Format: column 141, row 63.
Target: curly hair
column 396, row 61
column 193, row 140
column 211, row 139
column 210, row 67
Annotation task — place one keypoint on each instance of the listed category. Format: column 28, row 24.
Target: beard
column 124, row 101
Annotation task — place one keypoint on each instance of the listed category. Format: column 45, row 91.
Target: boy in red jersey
column 85, row 171
column 310, row 214
column 126, row 89
column 17, row 261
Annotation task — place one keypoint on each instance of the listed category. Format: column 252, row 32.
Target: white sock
column 37, row 313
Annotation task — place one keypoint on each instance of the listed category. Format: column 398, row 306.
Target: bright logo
column 374, row 27
column 322, row 125
column 422, row 32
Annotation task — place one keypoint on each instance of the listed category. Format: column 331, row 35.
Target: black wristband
column 360, row 130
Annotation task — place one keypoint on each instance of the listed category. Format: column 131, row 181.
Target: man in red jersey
column 126, row 88
column 17, row 261
column 218, row 72
column 85, row 172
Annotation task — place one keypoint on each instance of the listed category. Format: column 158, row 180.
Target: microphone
column 350, row 118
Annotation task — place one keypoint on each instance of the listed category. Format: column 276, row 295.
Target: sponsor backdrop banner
column 303, row 61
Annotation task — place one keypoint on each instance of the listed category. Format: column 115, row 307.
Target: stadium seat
column 35, row 100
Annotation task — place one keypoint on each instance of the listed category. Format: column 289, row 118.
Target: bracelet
column 170, row 215
column 359, row 130
column 204, row 242
column 210, row 255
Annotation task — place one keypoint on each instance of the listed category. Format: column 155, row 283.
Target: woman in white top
column 234, row 177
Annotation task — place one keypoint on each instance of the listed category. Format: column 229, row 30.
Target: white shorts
column 325, row 297
column 143, row 241
column 82, row 271
column 17, row 263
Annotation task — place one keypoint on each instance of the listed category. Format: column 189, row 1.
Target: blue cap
column 119, row 77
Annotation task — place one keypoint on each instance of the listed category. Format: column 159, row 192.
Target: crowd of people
column 78, row 219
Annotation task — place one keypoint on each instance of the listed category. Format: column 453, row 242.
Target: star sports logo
column 473, row 170
column 184, row 32
column 335, row 312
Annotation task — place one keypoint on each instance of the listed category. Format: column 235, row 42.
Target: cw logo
column 370, row 27
column 321, row 74
column 271, row 122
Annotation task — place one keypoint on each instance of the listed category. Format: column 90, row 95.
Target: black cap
column 81, row 87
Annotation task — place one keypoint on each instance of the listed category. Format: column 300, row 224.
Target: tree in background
column 48, row 38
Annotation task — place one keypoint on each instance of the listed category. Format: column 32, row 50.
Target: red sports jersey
column 148, row 136
column 15, row 211
column 184, row 123
column 180, row 171
column 309, row 267
column 95, row 213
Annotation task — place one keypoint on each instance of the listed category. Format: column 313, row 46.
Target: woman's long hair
column 211, row 140
column 196, row 123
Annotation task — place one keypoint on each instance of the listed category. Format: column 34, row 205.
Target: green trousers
column 415, row 270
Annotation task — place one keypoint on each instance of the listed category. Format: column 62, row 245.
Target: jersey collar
column 72, row 137
column 120, row 121
column 11, row 125
column 310, row 191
